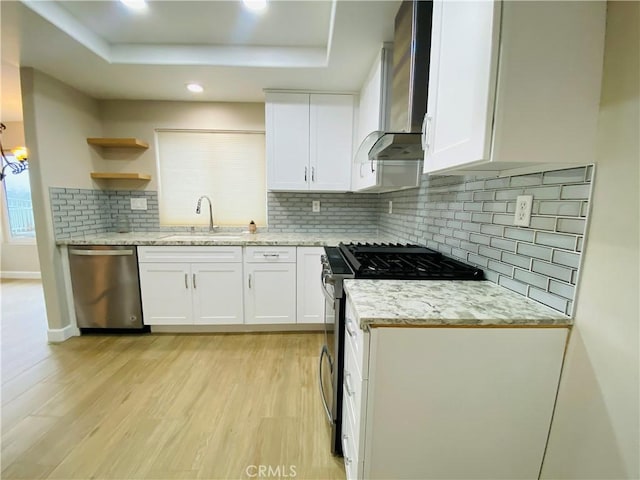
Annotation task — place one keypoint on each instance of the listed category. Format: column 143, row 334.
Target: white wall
column 595, row 432
column 128, row 118
column 17, row 259
column 57, row 120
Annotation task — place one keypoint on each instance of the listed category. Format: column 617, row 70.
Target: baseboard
column 21, row 275
column 59, row 335
column 242, row 328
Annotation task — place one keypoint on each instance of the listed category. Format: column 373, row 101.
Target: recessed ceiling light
column 255, row 5
column 135, row 4
column 195, row 88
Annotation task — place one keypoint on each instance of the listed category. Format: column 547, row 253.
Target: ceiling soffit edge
column 203, row 55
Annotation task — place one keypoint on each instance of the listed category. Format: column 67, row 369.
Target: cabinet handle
column 305, row 173
column 373, row 170
column 347, row 385
column 270, row 255
column 186, row 280
column 426, row 130
column 313, row 174
column 347, row 460
column 249, row 280
column 350, row 329
column 194, row 280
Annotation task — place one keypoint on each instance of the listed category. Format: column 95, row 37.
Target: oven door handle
column 324, row 352
column 324, row 275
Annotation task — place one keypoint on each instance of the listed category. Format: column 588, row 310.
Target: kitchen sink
column 221, row 237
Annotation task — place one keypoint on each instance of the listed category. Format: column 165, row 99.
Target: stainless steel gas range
column 370, row 261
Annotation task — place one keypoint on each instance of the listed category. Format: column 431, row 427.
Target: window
column 229, row 167
column 19, row 207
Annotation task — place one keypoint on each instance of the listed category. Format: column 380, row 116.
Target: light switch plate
column 138, row 204
column 390, row 206
column 315, row 206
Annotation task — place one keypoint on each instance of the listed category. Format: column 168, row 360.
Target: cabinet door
column 331, row 139
column 217, row 293
column 310, row 304
column 287, row 138
column 462, row 83
column 166, row 293
column 454, row 407
column 270, row 293
column 371, row 118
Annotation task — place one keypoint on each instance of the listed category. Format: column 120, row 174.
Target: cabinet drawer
column 174, row 254
column 354, row 392
column 358, row 341
column 353, row 468
column 268, row 254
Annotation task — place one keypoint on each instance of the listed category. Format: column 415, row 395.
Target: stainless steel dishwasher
column 106, row 288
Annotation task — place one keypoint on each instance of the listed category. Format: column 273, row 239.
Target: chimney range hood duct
column 409, row 85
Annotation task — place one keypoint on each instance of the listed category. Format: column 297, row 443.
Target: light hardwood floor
column 157, row 406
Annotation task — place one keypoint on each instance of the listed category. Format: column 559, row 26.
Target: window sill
column 19, row 241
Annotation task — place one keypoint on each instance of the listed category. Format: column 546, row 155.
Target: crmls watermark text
column 266, row 471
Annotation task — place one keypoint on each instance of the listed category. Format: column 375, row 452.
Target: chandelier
column 19, row 153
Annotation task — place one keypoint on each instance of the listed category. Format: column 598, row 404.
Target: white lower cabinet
column 217, row 298
column 191, row 285
column 166, row 296
column 203, row 285
column 310, row 300
column 444, row 403
column 270, row 285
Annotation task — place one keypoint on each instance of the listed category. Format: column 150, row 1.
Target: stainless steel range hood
column 409, row 85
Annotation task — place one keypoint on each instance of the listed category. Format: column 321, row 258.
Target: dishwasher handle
column 101, row 253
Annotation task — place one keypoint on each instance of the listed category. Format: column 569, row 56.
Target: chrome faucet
column 211, row 225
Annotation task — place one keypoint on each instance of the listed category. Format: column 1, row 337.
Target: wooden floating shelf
column 120, row 176
column 118, row 142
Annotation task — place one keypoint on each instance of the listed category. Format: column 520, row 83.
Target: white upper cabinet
column 287, row 138
column 370, row 119
column 330, row 141
column 309, row 141
column 513, row 85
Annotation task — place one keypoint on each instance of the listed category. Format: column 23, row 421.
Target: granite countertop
column 445, row 302
column 222, row 238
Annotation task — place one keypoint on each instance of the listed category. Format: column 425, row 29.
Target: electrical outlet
column 138, row 204
column 315, row 206
column 522, row 216
column 390, row 206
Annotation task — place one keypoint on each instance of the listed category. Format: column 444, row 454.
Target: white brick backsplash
column 566, row 258
column 82, row 211
column 540, row 193
column 466, row 217
column 575, row 192
column 517, row 260
column 519, row 234
column 551, row 270
column 514, row 285
column 531, row 278
column 526, row 180
column 572, row 175
column 548, row 299
column 556, row 240
column 565, row 290
column 559, row 208
column 540, row 261
column 571, row 225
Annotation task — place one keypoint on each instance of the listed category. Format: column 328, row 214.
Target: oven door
column 327, row 353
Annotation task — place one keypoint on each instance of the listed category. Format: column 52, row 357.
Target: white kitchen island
column 448, row 379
